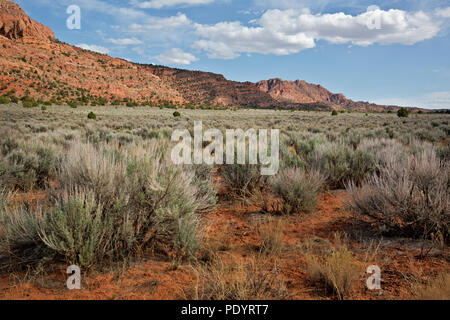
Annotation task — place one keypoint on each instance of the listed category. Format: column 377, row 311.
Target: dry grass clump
column 410, row 197
column 437, row 289
column 316, row 246
column 271, row 233
column 336, row 270
column 219, row 241
column 297, row 189
column 229, row 279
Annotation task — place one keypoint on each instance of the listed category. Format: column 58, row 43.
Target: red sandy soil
column 157, row 278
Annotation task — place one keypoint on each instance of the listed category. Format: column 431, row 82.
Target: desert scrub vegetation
column 25, row 165
column 110, row 203
column 335, row 269
column 339, row 161
column 297, row 189
column 408, row 195
column 206, row 188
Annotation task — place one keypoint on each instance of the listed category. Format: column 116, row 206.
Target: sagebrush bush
column 77, row 229
column 20, row 242
column 110, row 204
column 409, row 197
column 340, row 164
column 25, row 165
column 384, row 151
column 206, row 189
column 295, row 149
column 297, row 189
column 3, row 199
column 339, row 161
column 403, row 113
column 289, row 158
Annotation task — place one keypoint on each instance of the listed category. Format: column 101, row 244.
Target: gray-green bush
column 111, row 203
column 409, row 197
column 297, row 189
column 340, row 163
column 24, row 166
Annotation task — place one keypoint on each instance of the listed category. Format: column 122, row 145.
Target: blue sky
column 392, row 52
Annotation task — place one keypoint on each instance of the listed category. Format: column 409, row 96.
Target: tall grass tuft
column 337, row 270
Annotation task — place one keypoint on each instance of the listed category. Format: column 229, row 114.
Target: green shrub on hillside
column 72, row 104
column 132, row 104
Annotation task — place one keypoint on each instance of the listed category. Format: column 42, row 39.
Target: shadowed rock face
column 34, row 63
column 15, row 24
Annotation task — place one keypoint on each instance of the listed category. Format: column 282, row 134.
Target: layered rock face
column 16, row 24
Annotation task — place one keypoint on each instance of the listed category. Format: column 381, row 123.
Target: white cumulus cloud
column 176, row 56
column 283, row 32
column 157, row 23
column 93, row 47
column 157, row 4
column 125, row 41
column 444, row 13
